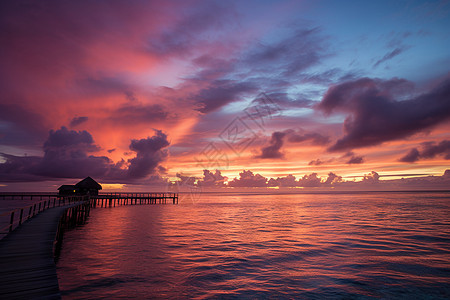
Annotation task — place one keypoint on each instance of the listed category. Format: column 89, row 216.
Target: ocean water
column 307, row 246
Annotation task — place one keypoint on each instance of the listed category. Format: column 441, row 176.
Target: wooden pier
column 113, row 199
column 27, row 266
column 34, row 236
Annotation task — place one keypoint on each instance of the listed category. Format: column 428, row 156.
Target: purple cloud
column 332, row 179
column 248, row 179
column 412, row 156
column 313, row 137
column 390, row 55
column 315, row 162
column 355, row 160
column 287, row 181
column 273, row 150
column 429, row 150
column 77, row 121
column 291, row 55
column 182, row 37
column 65, row 138
column 375, row 116
column 212, row 179
column 66, row 155
column 311, row 180
column 222, row 92
column 371, row 178
column 149, row 153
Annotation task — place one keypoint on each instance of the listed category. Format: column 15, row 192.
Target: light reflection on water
column 389, row 245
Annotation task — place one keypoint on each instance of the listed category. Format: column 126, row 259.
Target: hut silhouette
column 84, row 187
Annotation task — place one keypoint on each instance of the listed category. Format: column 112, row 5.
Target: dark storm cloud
column 77, row 121
column 351, row 158
column 18, row 168
column 275, row 144
column 273, row 150
column 429, row 150
column 66, row 155
column 355, row 160
column 149, row 153
column 412, row 156
column 376, row 116
column 313, row 137
column 70, row 139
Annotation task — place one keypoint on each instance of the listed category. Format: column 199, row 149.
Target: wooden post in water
column 11, row 221
column 21, row 215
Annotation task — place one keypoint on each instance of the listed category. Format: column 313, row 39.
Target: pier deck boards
column 27, row 267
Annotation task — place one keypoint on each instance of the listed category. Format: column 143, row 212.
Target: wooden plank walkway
column 27, row 267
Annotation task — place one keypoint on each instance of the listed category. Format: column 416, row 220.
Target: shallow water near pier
column 313, row 246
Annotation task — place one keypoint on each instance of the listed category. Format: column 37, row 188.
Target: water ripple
column 355, row 246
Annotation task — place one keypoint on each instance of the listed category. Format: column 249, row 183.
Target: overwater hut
column 85, row 186
column 88, row 185
column 67, row 189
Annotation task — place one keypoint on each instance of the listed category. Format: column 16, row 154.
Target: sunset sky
column 139, row 93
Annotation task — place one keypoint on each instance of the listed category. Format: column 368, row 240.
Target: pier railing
column 14, row 218
column 19, row 215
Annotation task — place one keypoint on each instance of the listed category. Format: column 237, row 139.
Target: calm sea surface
column 313, row 246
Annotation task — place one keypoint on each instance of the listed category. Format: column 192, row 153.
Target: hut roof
column 88, row 183
column 67, row 187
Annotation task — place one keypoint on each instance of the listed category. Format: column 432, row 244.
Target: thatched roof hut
column 88, row 185
column 85, row 186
